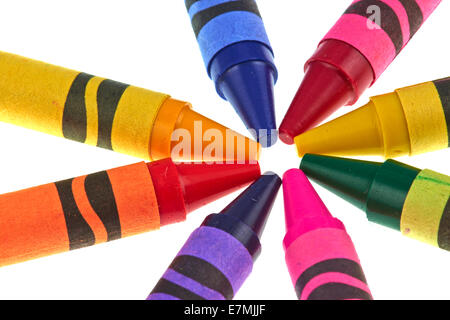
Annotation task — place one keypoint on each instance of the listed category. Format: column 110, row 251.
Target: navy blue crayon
column 219, row 255
column 239, row 59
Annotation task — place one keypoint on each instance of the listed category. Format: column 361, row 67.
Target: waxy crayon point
column 320, row 255
column 189, row 186
column 110, row 205
column 219, row 255
column 352, row 178
column 176, row 118
column 351, row 57
column 356, row 133
column 379, row 189
column 300, row 199
column 239, row 59
column 253, row 206
column 248, row 86
column 331, row 81
column 413, row 201
column 408, row 121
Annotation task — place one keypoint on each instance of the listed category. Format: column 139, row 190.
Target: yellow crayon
column 408, row 121
column 110, row 114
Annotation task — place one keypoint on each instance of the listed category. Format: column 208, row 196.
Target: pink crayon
column 351, row 57
column 381, row 38
column 320, row 255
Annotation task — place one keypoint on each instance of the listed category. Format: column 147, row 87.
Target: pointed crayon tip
column 249, row 87
column 304, row 210
column 245, row 74
column 379, row 189
column 350, row 179
column 354, row 134
column 253, row 206
column 336, row 75
column 300, row 198
column 203, row 183
column 191, row 127
column 323, row 90
column 184, row 187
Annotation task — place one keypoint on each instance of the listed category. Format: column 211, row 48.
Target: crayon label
column 221, row 23
column 212, row 265
column 443, row 88
column 77, row 106
column 380, row 29
column 425, row 117
column 426, row 214
column 323, row 264
column 76, row 213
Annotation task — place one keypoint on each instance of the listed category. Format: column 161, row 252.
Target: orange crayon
column 112, row 115
column 109, row 205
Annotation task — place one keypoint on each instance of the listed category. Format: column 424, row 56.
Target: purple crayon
column 218, row 257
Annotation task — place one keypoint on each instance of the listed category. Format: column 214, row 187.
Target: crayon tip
column 353, row 134
column 300, row 198
column 336, row 75
column 304, row 210
column 182, row 134
column 249, row 87
column 348, row 178
column 203, row 183
column 253, row 206
column 379, row 189
column 184, row 187
column 321, row 93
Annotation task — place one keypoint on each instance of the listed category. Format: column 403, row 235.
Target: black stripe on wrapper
column 444, row 228
column 79, row 232
column 189, row 3
column 240, row 231
column 167, row 287
column 415, row 15
column 101, row 197
column 338, row 291
column 204, row 273
column 389, row 20
column 74, row 121
column 345, row 266
column 200, row 19
column 443, row 88
column 108, row 97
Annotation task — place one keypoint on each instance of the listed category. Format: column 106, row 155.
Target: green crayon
column 393, row 194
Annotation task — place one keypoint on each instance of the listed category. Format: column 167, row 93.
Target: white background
column 151, row 44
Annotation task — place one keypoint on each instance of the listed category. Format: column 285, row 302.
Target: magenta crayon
column 320, row 255
column 355, row 52
column 219, row 255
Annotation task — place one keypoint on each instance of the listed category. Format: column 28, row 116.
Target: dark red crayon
column 351, row 57
column 336, row 75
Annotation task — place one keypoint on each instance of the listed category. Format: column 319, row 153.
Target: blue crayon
column 239, row 59
column 219, row 255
